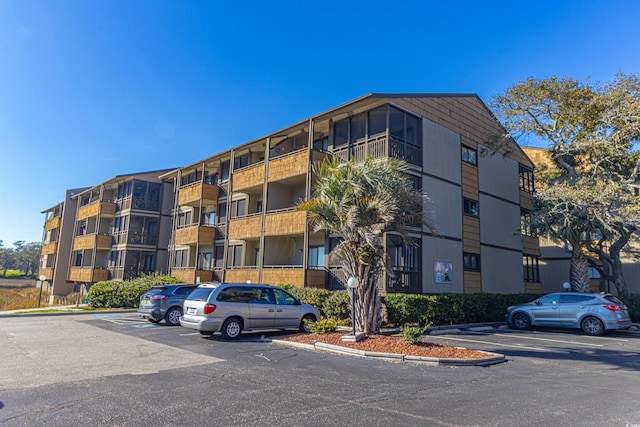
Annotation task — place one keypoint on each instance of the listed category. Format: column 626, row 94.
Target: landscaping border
column 491, row 359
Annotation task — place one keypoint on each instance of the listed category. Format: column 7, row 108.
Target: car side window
column 549, row 299
column 262, row 296
column 183, row 291
column 574, row 299
column 284, row 298
column 236, row 294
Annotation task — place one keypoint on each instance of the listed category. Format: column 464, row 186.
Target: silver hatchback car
column 231, row 308
column 593, row 313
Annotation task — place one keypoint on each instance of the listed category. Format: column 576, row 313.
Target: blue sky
column 94, row 89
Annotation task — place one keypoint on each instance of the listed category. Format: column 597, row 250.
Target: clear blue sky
column 94, row 89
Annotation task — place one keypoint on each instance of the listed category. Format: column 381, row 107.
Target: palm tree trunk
column 579, row 272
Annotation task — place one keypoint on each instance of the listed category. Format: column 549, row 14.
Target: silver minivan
column 231, row 308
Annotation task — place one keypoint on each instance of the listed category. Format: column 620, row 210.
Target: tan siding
column 103, row 241
column 278, row 277
column 285, row 223
column 189, row 276
column 466, row 116
column 88, row 275
column 315, row 278
column 534, row 287
column 244, row 228
column 526, row 200
column 469, row 181
column 471, row 234
column 93, row 209
column 249, row 177
column 240, row 276
column 191, row 195
column 195, row 234
column 46, row 272
column 52, row 223
column 472, row 282
column 49, row 248
column 530, row 245
column 288, row 166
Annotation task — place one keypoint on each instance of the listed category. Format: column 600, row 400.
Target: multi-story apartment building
column 118, row 229
column 234, row 217
column 56, row 243
column 555, row 256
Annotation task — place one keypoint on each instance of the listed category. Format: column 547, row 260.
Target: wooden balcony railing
column 93, row 209
column 249, row 177
column 92, row 241
column 88, row 274
column 191, row 195
column 285, row 223
column 195, row 234
column 244, row 228
column 52, row 223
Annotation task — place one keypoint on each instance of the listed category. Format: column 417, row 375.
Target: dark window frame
column 471, row 262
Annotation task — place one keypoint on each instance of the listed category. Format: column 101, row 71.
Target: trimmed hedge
column 331, row 304
column 450, row 309
column 632, row 302
column 124, row 294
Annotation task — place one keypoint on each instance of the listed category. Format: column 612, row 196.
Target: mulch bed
column 389, row 344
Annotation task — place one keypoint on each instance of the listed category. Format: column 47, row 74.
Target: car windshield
column 200, row 294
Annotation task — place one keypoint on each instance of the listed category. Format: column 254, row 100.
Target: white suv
column 231, row 308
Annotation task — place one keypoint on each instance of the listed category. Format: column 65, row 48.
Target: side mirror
column 536, row 302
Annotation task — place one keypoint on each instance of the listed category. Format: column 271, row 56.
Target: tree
column 361, row 201
column 7, row 259
column 27, row 256
column 589, row 198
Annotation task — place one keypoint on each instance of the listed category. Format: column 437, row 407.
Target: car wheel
column 304, row 323
column 153, row 320
column 592, row 326
column 173, row 316
column 521, row 321
column 232, row 328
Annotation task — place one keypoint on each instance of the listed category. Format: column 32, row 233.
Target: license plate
column 191, row 310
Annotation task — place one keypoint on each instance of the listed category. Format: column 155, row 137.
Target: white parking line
column 506, row 345
column 186, row 335
column 552, row 340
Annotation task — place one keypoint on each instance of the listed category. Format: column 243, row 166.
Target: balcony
column 46, row 272
column 293, row 164
column 195, row 233
column 190, row 275
column 88, row 274
column 285, row 222
column 244, row 228
column 248, row 178
column 239, row 275
column 382, row 147
column 52, row 223
column 107, row 209
column 49, row 248
column 92, row 241
column 192, row 194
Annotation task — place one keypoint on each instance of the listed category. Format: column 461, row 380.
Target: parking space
column 614, row 348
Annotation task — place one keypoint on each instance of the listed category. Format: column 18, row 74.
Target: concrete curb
column 62, row 311
column 491, row 359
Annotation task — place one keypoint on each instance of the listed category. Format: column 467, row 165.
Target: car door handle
column 271, row 310
column 279, row 310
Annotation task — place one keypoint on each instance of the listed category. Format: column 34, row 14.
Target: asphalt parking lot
column 118, row 370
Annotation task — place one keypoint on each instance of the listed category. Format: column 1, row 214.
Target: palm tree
column 361, row 201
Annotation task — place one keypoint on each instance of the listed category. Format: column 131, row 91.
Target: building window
column 222, row 211
column 471, row 262
column 470, row 207
column 184, row 219
column 526, row 179
column 406, row 265
column 238, row 208
column 234, row 256
column 316, row 258
column 209, row 218
column 204, row 260
column 378, row 121
column 182, row 258
column 525, row 223
column 531, row 268
column 469, row 155
column 240, row 162
column 219, row 254
column 224, row 170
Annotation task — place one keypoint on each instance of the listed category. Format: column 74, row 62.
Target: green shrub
column 314, row 296
column 632, row 301
column 449, row 309
column 337, row 306
column 323, row 326
column 412, row 334
column 124, row 294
